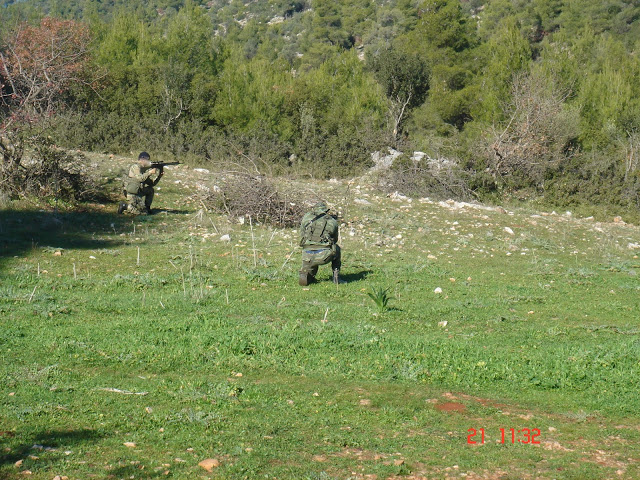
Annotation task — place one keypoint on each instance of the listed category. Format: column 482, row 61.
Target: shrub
column 246, row 195
column 427, row 177
column 51, row 173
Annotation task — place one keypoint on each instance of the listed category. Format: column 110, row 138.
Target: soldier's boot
column 306, row 279
column 336, row 276
column 121, row 208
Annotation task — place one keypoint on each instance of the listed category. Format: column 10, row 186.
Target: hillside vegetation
column 524, row 99
column 179, row 345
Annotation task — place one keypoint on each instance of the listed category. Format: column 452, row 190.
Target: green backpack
column 316, row 231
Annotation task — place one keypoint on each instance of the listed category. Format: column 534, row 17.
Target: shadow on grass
column 23, row 230
column 170, row 211
column 49, row 446
column 355, row 277
column 54, row 448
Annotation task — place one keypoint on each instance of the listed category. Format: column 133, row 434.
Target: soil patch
column 450, row 407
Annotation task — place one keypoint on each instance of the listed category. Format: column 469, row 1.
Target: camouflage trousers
column 313, row 257
column 141, row 203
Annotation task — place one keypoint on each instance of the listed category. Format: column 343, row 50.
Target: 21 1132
column 507, row 435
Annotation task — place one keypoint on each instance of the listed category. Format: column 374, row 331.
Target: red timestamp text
column 506, row 435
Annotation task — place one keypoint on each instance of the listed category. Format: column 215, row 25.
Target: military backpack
column 316, row 231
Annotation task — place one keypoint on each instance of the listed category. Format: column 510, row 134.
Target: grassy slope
column 154, row 333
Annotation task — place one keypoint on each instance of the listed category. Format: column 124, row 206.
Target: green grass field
column 141, row 347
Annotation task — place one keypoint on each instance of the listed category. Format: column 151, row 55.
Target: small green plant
column 380, row 298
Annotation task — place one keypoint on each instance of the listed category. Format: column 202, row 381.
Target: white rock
column 225, row 238
column 437, row 290
column 508, row 230
column 201, row 170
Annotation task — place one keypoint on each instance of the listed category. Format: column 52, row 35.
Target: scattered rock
column 225, row 238
column 397, row 197
column 209, row 464
column 383, row 162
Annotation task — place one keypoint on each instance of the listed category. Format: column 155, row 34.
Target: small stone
column 209, row 464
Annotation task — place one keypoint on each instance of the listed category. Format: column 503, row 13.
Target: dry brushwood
column 50, row 173
column 246, row 195
column 438, row 178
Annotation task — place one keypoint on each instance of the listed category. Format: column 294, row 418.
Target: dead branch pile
column 246, row 195
column 49, row 173
column 428, row 177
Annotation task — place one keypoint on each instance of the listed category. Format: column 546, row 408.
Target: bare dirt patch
column 451, row 407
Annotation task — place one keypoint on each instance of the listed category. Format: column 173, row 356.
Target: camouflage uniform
column 319, row 242
column 138, row 187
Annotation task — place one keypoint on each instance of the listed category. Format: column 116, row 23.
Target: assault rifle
column 160, row 165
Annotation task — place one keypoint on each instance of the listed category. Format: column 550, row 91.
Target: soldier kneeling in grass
column 319, row 242
column 139, row 185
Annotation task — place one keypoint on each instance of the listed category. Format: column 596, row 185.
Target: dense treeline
column 537, row 98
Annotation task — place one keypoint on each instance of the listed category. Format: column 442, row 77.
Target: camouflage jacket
column 139, row 178
column 319, row 229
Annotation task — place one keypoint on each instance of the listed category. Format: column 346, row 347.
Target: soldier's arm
column 334, row 231
column 155, row 182
column 137, row 174
column 303, row 226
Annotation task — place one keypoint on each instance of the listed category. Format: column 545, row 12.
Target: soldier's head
column 144, row 159
column 320, row 207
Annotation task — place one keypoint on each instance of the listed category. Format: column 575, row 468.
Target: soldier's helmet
column 144, row 156
column 321, row 207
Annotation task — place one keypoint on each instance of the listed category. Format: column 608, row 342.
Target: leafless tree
column 537, row 136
